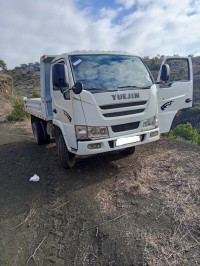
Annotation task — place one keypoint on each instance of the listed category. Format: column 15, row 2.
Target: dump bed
column 42, row 107
column 38, row 108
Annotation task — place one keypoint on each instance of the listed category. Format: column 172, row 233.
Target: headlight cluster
column 150, row 123
column 88, row 132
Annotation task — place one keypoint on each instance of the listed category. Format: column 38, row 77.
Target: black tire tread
column 67, row 159
column 39, row 132
column 130, row 150
column 46, row 136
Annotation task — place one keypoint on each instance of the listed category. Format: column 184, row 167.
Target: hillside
column 6, row 95
column 110, row 209
column 26, row 78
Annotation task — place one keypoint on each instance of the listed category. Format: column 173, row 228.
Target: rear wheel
column 44, row 128
column 130, row 150
column 67, row 159
column 39, row 132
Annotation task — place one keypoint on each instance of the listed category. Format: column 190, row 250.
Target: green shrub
column 185, row 132
column 36, row 93
column 194, row 111
column 18, row 114
column 19, row 93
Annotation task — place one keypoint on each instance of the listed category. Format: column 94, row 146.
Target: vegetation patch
column 185, row 132
column 36, row 93
column 18, row 113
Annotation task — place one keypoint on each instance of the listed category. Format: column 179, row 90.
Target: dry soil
column 111, row 209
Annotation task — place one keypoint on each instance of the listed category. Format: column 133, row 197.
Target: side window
column 55, row 88
column 62, row 76
column 179, row 69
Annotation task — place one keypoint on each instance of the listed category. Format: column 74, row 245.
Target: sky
column 30, row 29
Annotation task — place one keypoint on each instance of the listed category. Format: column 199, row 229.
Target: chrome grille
column 124, row 113
column 121, row 105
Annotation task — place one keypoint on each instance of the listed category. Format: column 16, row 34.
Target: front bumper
column 110, row 143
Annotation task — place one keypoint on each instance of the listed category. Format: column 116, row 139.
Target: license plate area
column 127, row 140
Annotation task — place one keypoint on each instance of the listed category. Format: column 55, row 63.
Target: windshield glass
column 110, row 72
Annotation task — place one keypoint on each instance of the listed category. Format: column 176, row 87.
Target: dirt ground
column 111, row 209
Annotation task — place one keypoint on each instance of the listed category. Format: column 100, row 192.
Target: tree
column 3, row 65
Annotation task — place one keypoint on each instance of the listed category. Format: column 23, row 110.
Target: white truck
column 94, row 102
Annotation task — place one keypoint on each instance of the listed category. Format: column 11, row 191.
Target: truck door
column 176, row 92
column 61, row 102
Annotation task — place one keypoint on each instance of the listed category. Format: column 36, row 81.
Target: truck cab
column 95, row 102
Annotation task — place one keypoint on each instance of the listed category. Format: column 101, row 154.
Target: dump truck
column 94, row 102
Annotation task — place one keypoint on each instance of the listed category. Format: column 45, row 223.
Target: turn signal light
column 153, row 134
column 94, row 146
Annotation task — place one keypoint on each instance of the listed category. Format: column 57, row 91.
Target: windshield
column 110, row 72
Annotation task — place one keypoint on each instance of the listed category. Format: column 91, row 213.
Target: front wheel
column 67, row 159
column 130, row 150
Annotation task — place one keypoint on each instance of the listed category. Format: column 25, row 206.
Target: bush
column 194, row 111
column 19, row 93
column 185, row 132
column 18, row 114
column 36, row 93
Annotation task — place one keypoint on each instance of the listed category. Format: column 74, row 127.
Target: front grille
column 125, row 127
column 121, row 105
column 124, row 113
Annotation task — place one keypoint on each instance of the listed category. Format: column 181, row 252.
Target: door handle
column 55, row 111
column 188, row 100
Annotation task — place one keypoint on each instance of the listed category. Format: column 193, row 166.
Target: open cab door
column 175, row 89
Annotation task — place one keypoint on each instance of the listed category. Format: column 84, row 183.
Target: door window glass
column 179, row 69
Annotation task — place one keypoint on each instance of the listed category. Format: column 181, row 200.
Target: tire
column 46, row 136
column 38, row 132
column 67, row 159
column 130, row 150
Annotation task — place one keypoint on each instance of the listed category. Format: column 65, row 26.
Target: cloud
column 32, row 28
column 127, row 3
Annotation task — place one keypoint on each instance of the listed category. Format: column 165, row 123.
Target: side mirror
column 165, row 71
column 78, row 87
column 59, row 78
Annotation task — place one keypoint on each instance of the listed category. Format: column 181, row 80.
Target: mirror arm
column 63, row 92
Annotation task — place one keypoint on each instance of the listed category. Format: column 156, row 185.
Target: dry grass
column 164, row 250
column 31, row 213
column 174, row 176
column 106, row 199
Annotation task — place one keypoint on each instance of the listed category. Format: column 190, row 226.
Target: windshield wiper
column 133, row 87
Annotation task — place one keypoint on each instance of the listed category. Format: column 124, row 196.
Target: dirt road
column 110, row 209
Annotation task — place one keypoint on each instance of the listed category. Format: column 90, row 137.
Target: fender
column 68, row 134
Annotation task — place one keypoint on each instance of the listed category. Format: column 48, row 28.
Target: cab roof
column 84, row 52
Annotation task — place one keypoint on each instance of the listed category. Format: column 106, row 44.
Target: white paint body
column 86, row 108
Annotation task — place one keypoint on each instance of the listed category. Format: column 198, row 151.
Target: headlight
column 81, row 132
column 150, row 123
column 97, row 132
column 84, row 132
